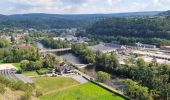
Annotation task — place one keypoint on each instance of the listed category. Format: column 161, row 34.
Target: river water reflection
column 71, row 58
column 90, row 70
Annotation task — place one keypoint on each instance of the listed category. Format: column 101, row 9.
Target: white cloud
column 164, row 0
column 110, row 1
column 81, row 6
column 36, row 2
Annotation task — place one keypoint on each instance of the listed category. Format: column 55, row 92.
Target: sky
column 8, row 7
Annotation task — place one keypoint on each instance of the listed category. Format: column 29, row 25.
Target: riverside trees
column 136, row 91
column 86, row 55
column 156, row 77
column 153, row 80
column 103, row 76
column 107, row 62
column 55, row 44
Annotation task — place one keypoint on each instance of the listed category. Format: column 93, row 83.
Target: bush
column 103, row 76
column 4, row 81
column 38, row 93
column 26, row 96
column 42, row 71
column 2, row 88
column 28, row 65
column 27, row 88
column 16, row 85
column 19, row 71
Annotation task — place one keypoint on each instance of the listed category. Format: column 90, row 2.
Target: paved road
column 79, row 78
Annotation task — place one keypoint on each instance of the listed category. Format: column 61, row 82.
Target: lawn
column 1, row 61
column 17, row 65
column 53, row 84
column 87, row 91
column 30, row 73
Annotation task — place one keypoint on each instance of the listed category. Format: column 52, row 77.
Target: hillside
column 11, row 95
column 166, row 13
column 47, row 21
column 17, row 90
column 156, row 27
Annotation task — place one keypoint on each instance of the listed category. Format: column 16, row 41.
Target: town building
column 153, row 55
column 140, row 45
column 165, row 47
column 105, row 47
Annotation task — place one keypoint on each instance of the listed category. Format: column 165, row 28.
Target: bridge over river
column 55, row 50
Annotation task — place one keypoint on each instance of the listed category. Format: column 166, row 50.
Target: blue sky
column 81, row 6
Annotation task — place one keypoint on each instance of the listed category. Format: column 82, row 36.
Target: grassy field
column 17, row 65
column 1, row 61
column 87, row 91
column 53, row 84
column 30, row 73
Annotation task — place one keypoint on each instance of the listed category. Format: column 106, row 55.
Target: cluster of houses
column 63, row 68
column 10, row 33
column 72, row 39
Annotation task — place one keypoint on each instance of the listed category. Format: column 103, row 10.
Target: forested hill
column 156, row 27
column 166, row 13
column 46, row 21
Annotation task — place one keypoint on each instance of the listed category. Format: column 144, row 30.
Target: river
column 71, row 58
column 41, row 46
column 89, row 70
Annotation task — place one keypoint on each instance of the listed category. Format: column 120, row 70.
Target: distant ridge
column 147, row 13
column 166, row 13
column 48, row 21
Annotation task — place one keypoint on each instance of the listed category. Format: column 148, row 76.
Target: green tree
column 4, row 43
column 103, row 76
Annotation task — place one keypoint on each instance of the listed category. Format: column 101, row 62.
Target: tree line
column 154, row 78
column 49, row 61
column 12, row 55
column 133, row 27
column 55, row 44
column 85, row 54
column 130, row 30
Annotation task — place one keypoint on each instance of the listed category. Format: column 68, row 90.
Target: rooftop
column 105, row 47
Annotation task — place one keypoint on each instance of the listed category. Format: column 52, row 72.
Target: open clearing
column 30, row 73
column 17, row 65
column 7, row 66
column 87, row 91
column 53, row 84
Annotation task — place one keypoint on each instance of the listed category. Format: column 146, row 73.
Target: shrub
column 42, row 71
column 19, row 71
column 103, row 76
column 38, row 93
column 26, row 96
column 2, row 88
column 4, row 81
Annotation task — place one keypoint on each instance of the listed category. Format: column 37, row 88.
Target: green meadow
column 68, row 89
